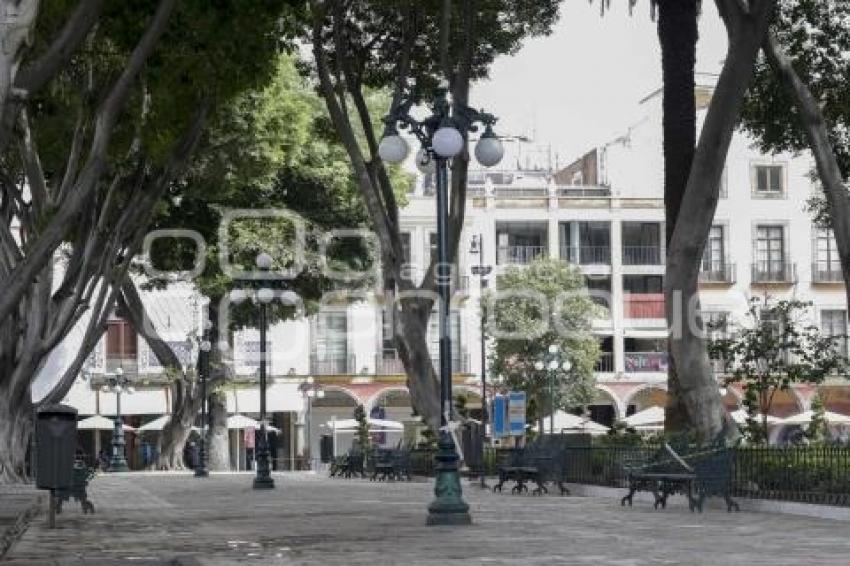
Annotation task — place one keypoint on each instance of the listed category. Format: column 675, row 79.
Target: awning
column 280, row 398
column 567, row 422
column 241, row 422
column 740, row 417
column 651, row 417
column 98, row 422
column 806, row 417
column 375, row 425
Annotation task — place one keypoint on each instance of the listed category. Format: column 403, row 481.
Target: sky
column 580, row 86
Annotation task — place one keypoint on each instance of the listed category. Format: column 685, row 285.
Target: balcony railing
column 774, row 272
column 723, row 272
column 827, row 272
column 587, row 255
column 333, row 366
column 389, row 365
column 645, row 361
column 520, row 192
column 521, row 255
column 642, row 255
column 644, row 305
column 580, row 191
column 605, row 362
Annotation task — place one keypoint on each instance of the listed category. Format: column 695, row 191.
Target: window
column 586, row 242
column 599, row 289
column 182, row 348
column 388, row 350
column 642, row 243
column 331, row 336
column 770, row 251
column 121, row 340
column 826, row 254
column 251, row 355
column 714, row 256
column 833, row 323
column 769, row 180
column 434, row 338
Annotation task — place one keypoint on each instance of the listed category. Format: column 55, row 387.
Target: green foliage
column 816, row 36
column 773, row 349
column 362, row 433
column 542, row 304
column 816, row 431
column 270, row 149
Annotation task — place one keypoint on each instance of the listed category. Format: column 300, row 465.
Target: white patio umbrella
column 157, row 425
column 98, row 422
column 567, row 422
column 806, row 417
column 375, row 425
column 242, row 422
column 648, row 418
column 740, row 416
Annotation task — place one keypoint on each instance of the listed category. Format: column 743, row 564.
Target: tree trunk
column 218, row 441
column 677, row 35
column 698, row 387
column 16, row 414
column 829, row 171
column 411, row 337
column 20, row 18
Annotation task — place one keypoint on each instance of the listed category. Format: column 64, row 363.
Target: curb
column 753, row 505
column 19, row 527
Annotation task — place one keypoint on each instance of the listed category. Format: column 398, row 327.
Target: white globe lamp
column 539, row 366
column 425, row 163
column 447, row 142
column 393, row 149
column 489, row 150
column 237, row 296
column 265, row 295
column 264, row 261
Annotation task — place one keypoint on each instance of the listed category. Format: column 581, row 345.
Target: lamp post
column 442, row 136
column 312, row 390
column 551, row 363
column 482, row 271
column 204, row 370
column 118, row 383
column 263, row 296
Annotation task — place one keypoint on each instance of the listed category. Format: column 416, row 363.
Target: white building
column 604, row 212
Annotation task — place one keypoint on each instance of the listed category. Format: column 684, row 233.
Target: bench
column 524, row 466
column 697, row 472
column 80, row 478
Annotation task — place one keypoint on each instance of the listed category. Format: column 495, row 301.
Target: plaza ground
column 309, row 519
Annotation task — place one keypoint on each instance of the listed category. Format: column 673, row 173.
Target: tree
column 90, row 158
column 271, row 149
column 694, row 204
column 773, row 349
column 543, row 304
column 412, row 47
column 800, row 101
column 817, row 429
column 362, row 432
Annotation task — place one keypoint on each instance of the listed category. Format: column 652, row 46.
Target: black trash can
column 56, row 444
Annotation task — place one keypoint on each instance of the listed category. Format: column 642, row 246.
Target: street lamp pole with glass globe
column 312, row 390
column 482, row 271
column 442, row 136
column 118, row 383
column 204, row 370
column 263, row 296
column 551, row 363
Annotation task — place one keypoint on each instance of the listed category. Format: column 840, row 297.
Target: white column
column 617, row 294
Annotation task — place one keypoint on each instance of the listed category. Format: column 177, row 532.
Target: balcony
column 643, row 305
column 722, row 273
column 827, row 272
column 587, row 255
column 584, row 191
column 519, row 255
column 774, row 272
column 642, row 255
column 341, row 365
column 641, row 362
column 388, row 364
column 605, row 363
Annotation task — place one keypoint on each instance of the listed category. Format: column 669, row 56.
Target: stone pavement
column 177, row 519
column 18, row 504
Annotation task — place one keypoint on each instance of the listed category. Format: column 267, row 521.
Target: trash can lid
column 57, row 409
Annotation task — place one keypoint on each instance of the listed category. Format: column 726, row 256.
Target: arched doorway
column 646, row 397
column 336, row 403
column 603, row 409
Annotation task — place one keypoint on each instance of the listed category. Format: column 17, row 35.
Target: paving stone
column 221, row 520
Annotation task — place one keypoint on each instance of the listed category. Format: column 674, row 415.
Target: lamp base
column 199, row 473
column 448, row 506
column 261, row 482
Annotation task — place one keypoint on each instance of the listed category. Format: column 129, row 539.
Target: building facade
column 603, row 213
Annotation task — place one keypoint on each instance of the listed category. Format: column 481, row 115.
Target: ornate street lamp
column 263, row 296
column 442, row 136
column 482, row 271
column 551, row 363
column 118, row 383
column 204, row 370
